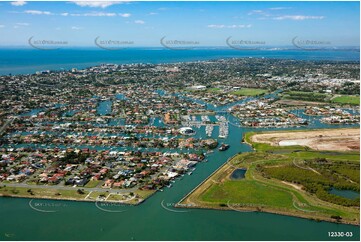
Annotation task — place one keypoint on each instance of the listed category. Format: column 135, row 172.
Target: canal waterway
column 156, row 218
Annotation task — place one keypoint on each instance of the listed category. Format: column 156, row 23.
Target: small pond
column 350, row 194
column 238, row 174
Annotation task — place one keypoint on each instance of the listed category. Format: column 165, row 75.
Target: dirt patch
column 298, row 187
column 329, row 139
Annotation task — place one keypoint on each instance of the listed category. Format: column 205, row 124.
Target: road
column 60, row 187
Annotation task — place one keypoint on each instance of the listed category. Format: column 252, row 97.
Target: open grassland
column 49, row 193
column 249, row 92
column 347, row 99
column 81, row 194
column 291, row 180
column 306, row 96
column 214, row 89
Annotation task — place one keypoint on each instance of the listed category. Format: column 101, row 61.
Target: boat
column 223, row 147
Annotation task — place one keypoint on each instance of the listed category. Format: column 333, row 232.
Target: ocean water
column 156, row 218
column 28, row 61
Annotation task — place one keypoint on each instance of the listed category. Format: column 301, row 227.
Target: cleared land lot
column 249, row 92
column 346, row 99
column 331, row 139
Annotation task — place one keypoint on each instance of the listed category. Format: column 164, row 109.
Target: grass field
column 144, row 193
column 306, row 96
column 274, row 184
column 70, row 194
column 92, row 183
column 214, row 89
column 247, row 193
column 249, row 92
column 346, row 99
column 41, row 192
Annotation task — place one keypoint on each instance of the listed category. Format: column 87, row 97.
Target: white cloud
column 233, row 26
column 76, row 28
column 93, row 14
column 216, row 26
column 2, row 26
column 152, row 13
column 18, row 25
column 18, row 3
column 96, row 14
column 90, row 14
column 139, row 22
column 266, row 15
column 260, row 13
column 279, row 8
column 125, row 15
column 37, row 12
column 298, row 17
column 97, row 4
column 256, row 12
column 99, row 14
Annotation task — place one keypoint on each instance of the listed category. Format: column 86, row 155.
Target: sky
column 204, row 23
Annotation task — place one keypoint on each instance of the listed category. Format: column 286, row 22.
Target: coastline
column 74, row 199
column 192, row 199
column 136, row 56
column 183, row 202
column 252, row 209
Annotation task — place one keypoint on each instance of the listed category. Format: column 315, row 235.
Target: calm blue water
column 345, row 193
column 151, row 220
column 120, row 96
column 27, row 61
column 104, row 107
column 238, row 174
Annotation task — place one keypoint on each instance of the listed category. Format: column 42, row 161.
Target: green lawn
column 95, row 195
column 144, row 193
column 92, row 183
column 214, row 90
column 249, row 92
column 306, row 96
column 346, row 99
column 248, row 193
column 270, row 168
column 342, row 156
column 42, row 192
